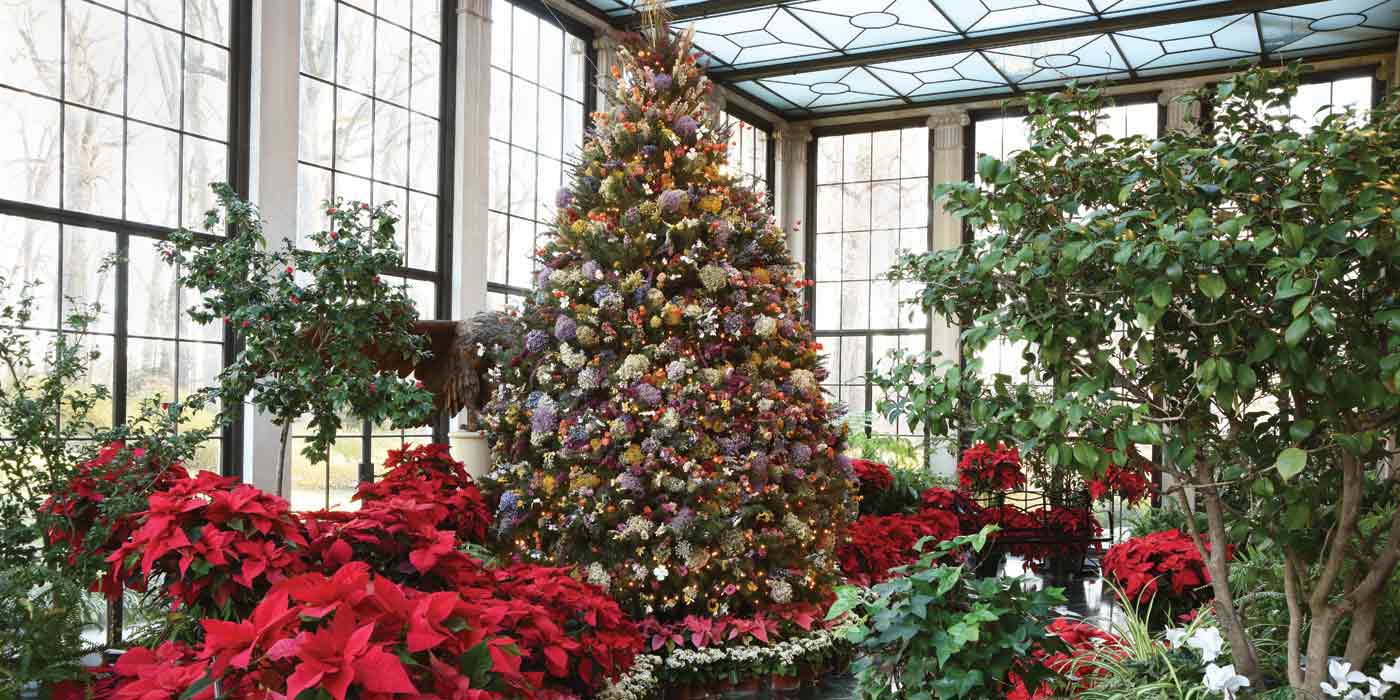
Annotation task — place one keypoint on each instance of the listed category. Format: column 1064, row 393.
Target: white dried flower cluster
column 565, row 277
column 574, row 359
column 765, row 326
column 780, row 591
column 637, row 684
column 788, row 653
column 803, row 380
column 598, row 576
column 633, row 367
column 713, row 277
column 638, row 527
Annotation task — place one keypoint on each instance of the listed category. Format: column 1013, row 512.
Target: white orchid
column 1224, row 680
column 1391, row 673
column 1176, row 636
column 1378, row 687
column 1208, row 641
column 1342, row 678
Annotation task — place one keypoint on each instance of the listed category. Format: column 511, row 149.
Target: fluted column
column 472, row 191
column 1181, row 113
column 946, row 134
column 605, row 57
column 790, row 186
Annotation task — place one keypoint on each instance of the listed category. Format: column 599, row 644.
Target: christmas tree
column 660, row 421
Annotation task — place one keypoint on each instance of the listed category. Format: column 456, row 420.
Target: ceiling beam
column 1004, row 39
column 681, row 13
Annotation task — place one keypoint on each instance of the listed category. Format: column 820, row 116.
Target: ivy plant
column 313, row 322
column 935, row 632
column 1225, row 292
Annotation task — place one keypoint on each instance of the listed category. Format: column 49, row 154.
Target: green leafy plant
column 1225, row 292
column 313, row 322
column 890, row 450
column 1140, row 663
column 934, row 632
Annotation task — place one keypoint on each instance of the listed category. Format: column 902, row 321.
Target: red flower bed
column 877, row 543
column 1077, row 524
column 1062, row 661
column 1132, row 483
column 1138, row 564
column 986, row 470
column 377, row 603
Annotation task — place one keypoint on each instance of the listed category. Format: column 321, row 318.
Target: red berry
column 331, row 210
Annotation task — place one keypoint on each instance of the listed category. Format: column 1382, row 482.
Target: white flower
column 1176, row 636
column 1223, row 679
column 1208, row 641
column 1378, row 688
column 1356, row 694
column 1342, row 678
column 659, row 572
column 1391, row 673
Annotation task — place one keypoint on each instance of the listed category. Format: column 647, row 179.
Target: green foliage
column 43, row 612
column 1225, row 292
column 307, row 318
column 1142, row 664
column 1148, row 519
column 934, row 632
column 892, row 451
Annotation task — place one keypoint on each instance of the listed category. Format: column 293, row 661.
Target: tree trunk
column 1318, row 637
column 282, row 458
column 1218, row 564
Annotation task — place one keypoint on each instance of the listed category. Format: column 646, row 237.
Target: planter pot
column 680, row 692
column 786, row 684
column 748, row 686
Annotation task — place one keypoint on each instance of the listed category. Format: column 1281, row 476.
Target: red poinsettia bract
column 1138, row 564
column 984, row 469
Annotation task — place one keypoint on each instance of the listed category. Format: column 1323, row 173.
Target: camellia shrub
column 1224, row 292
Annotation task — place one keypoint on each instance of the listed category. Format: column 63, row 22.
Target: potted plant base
column 786, row 683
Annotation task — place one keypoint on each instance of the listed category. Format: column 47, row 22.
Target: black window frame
column 590, row 104
column 238, row 162
column 809, row 254
column 758, row 122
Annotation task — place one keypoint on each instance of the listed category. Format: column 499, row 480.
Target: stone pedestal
column 472, row 448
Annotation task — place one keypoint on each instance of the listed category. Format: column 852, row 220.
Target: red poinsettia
column 214, row 540
column 983, row 469
column 877, row 543
column 1138, row 564
column 1015, row 523
column 76, row 509
column 873, row 477
column 960, row 504
column 1132, row 483
column 696, row 632
column 1075, row 524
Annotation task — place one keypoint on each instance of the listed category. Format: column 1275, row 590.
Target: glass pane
column 29, row 156
column 92, row 147
column 36, row 262
column 154, row 304
column 154, row 74
column 88, row 275
column 30, row 34
column 206, row 90
column 94, row 55
column 153, row 179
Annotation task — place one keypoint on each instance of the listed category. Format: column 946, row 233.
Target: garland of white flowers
column 644, row 678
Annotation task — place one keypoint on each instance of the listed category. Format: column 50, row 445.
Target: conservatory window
column 872, row 201
column 749, row 157
column 1002, row 135
column 116, row 122
column 538, row 97
column 372, row 92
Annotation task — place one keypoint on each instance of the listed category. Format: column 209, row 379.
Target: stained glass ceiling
column 804, row 58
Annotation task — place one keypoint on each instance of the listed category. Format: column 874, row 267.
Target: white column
column 273, row 186
column 472, row 177
column 605, row 56
column 1181, row 113
column 790, row 188
column 946, row 132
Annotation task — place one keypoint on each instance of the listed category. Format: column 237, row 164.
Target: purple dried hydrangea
column 671, row 201
column 801, row 453
column 685, row 126
column 536, row 341
column 661, row 82
column 563, row 198
column 590, row 378
column 604, row 294
column 648, row 394
column 544, row 419
column 733, row 323
column 631, row 217
column 759, row 463
column 650, row 445
column 675, row 371
column 629, row 482
column 578, row 435
column 731, row 446
column 683, row 519
column 565, row 328
column 533, row 400
column 589, row 269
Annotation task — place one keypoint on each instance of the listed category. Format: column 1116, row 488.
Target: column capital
column 480, row 9
column 1175, row 89
column 945, row 117
column 793, row 133
column 604, row 42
